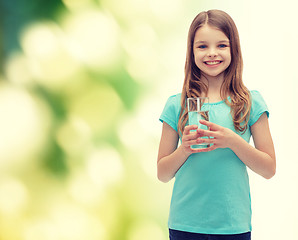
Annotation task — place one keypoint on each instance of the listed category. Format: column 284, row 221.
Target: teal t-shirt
column 211, row 192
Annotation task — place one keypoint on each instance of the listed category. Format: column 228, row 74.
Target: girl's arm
column 260, row 159
column 170, row 158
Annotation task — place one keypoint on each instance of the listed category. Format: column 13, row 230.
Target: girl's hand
column 221, row 137
column 190, row 138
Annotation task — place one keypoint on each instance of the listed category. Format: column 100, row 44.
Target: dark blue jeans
column 180, row 235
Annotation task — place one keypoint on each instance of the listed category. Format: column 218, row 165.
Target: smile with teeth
column 213, row 62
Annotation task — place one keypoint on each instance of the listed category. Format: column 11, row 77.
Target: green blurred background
column 82, row 84
column 78, row 139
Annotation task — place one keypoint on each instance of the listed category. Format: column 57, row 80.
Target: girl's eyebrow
column 221, row 41
column 200, row 42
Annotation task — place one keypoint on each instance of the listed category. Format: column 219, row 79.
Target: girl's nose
column 212, row 52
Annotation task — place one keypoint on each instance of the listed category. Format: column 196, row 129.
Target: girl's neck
column 214, row 87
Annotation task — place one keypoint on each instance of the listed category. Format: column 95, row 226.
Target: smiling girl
column 211, row 194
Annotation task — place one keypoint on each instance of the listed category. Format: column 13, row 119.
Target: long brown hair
column 232, row 85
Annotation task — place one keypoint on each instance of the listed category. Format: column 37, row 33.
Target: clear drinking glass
column 198, row 109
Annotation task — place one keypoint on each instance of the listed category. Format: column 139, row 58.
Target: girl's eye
column 222, row 46
column 202, row 46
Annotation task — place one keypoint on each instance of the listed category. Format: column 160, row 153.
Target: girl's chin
column 212, row 75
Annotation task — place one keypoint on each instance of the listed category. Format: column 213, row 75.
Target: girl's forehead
column 209, row 33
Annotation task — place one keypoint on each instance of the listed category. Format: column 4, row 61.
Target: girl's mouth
column 212, row 63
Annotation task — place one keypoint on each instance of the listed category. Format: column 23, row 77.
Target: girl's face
column 211, row 50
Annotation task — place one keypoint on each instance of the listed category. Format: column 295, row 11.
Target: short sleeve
column 258, row 107
column 170, row 113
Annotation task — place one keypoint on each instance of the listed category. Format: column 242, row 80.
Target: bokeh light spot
column 97, row 105
column 23, row 126
column 49, row 58
column 84, row 190
column 18, row 71
column 105, row 166
column 74, row 136
column 77, row 4
column 146, row 230
column 95, row 38
column 14, row 196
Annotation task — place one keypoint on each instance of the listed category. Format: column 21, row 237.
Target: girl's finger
column 191, row 143
column 206, row 133
column 208, row 149
column 211, row 125
column 205, row 140
column 198, row 150
column 187, row 129
column 191, row 136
